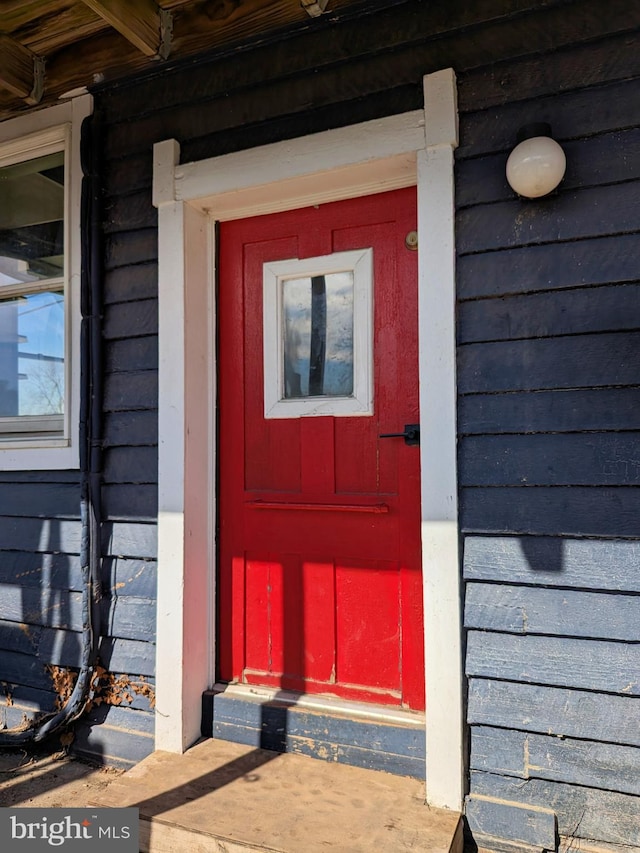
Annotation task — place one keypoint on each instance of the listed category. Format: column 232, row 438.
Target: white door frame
column 414, row 148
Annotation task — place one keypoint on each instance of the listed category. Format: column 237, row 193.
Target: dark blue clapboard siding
column 554, row 510
column 573, row 67
column 573, row 613
column 544, row 315
column 550, row 411
column 602, row 260
column 62, row 648
column 553, row 561
column 591, row 459
column 49, row 574
column 581, row 811
column 46, row 500
column 534, row 826
column 129, row 539
column 131, row 577
column 131, row 283
column 554, row 711
column 40, row 534
column 137, row 247
column 40, row 477
column 31, row 607
column 25, row 669
column 320, row 81
column 127, row 174
column 131, row 319
column 15, row 637
column 28, row 700
column 574, row 215
column 29, row 570
column 115, row 735
column 22, row 616
column 560, row 661
column 131, row 429
column 130, row 212
column 138, row 353
column 128, row 656
column 131, row 618
column 13, row 716
column 127, row 392
column 575, row 361
column 123, row 735
column 131, row 465
column 585, row 112
column 122, row 502
column 534, row 756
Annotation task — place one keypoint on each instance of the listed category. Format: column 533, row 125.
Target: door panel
column 319, row 566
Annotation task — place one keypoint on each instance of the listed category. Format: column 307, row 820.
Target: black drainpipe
column 90, row 438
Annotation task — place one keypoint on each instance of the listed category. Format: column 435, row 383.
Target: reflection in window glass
column 32, row 342
column 317, row 317
column 32, row 219
column 32, row 354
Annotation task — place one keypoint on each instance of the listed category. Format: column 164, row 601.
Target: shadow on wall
column 40, row 618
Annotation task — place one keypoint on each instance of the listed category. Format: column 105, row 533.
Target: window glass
column 318, row 335
column 32, row 322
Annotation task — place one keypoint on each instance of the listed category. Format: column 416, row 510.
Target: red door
column 320, row 585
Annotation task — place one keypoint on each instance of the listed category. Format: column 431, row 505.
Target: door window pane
column 318, row 335
column 317, row 316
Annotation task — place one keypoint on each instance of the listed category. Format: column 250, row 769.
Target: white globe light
column 536, row 166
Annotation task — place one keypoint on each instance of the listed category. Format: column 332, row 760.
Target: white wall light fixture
column 537, row 164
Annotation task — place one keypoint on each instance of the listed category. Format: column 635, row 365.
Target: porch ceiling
column 51, row 47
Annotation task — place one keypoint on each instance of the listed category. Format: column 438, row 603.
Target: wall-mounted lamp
column 537, row 164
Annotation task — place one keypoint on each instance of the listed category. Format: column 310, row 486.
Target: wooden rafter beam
column 141, row 22
column 21, row 71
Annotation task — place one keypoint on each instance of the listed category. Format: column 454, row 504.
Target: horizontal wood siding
column 582, row 812
column 549, row 413
column 40, row 581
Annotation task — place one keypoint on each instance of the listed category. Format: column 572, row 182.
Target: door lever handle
column 411, row 434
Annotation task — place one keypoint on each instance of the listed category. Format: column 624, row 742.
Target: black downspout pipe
column 90, row 435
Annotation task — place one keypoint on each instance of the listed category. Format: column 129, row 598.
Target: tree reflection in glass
column 317, row 318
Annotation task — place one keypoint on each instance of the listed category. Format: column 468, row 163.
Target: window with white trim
column 318, row 318
column 40, row 185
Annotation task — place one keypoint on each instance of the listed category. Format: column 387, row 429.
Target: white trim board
column 414, row 148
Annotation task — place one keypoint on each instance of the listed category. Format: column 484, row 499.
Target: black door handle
column 411, row 434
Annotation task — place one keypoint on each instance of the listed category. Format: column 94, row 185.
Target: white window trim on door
column 360, row 402
column 414, row 148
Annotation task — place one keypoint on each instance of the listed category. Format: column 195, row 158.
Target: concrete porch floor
column 231, row 798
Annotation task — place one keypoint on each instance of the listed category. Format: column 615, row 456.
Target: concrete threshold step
column 231, row 798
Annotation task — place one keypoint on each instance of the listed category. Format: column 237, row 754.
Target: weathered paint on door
column 319, row 566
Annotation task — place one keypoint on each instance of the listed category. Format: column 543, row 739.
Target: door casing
column 411, row 148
